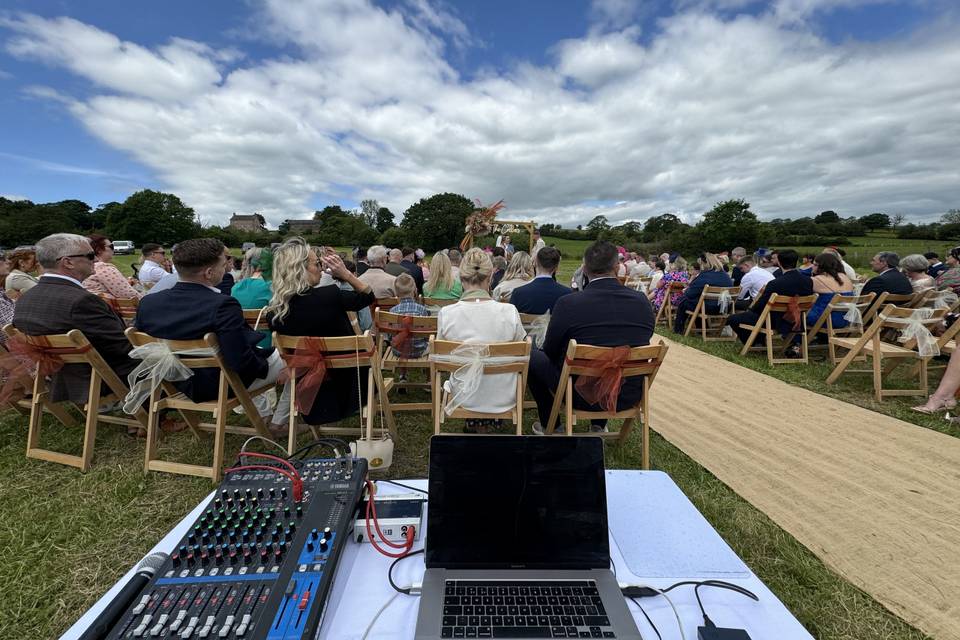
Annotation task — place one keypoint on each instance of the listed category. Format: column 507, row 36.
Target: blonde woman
column 712, row 273
column 301, row 308
column 441, row 283
column 519, row 272
column 478, row 318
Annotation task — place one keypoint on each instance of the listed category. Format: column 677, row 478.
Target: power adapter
column 720, row 633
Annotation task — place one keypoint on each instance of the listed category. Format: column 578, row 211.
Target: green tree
column 152, row 216
column 599, row 223
column 437, row 222
column 875, row 221
column 951, row 217
column 827, row 216
column 368, row 210
column 659, row 227
column 384, row 220
column 728, row 224
column 23, row 222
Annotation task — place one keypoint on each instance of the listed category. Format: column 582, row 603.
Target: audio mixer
column 257, row 563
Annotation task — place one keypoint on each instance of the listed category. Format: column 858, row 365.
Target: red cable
column 372, row 515
column 294, row 480
column 256, row 454
column 372, row 508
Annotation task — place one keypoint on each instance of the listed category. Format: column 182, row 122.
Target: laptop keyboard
column 523, row 609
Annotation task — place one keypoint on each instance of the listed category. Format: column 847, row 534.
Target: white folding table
column 654, row 528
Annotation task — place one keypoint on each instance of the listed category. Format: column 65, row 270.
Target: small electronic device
column 396, row 513
column 720, row 633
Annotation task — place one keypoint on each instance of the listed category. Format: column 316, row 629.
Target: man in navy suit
column 790, row 283
column 604, row 314
column 195, row 307
column 936, row 267
column 890, row 278
column 540, row 294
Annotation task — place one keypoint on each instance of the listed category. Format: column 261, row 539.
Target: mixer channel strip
column 255, row 564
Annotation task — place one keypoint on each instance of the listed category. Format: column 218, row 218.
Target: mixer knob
column 258, row 534
column 175, row 558
column 327, row 533
column 299, row 511
column 314, row 534
column 277, row 553
column 292, row 525
column 323, row 544
column 236, row 493
column 260, row 492
column 286, row 512
column 273, row 492
column 287, row 534
column 216, row 505
column 247, row 492
column 283, row 491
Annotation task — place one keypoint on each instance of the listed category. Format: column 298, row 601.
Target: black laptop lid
column 531, row 502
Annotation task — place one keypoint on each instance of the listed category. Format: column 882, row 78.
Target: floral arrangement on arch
column 480, row 222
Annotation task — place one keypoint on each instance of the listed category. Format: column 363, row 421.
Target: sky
column 564, row 109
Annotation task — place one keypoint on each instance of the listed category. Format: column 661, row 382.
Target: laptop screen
column 532, row 502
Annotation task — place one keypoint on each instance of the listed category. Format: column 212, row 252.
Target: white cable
column 377, row 617
column 676, row 614
column 243, row 449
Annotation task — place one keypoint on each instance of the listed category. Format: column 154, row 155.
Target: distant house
column 303, row 226
column 253, row 222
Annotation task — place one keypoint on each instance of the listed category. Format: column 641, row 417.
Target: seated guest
column 711, row 273
column 252, row 291
column 604, row 314
column 300, row 307
column 950, row 278
column 656, row 274
column 442, row 284
column 540, row 294
column 828, row 279
column 791, row 283
column 23, row 264
column 379, row 280
column 59, row 303
column 421, row 262
column 945, row 397
column 736, row 256
column 753, row 279
column 455, row 257
column 640, row 267
column 519, row 273
column 915, row 267
column 393, row 266
column 406, row 288
column 152, row 269
column 676, row 272
column 6, row 304
column 806, row 265
column 409, row 263
column 478, row 318
column 106, row 279
column 934, row 266
column 847, row 269
column 889, row 277
column 236, row 271
column 195, row 307
column 499, row 268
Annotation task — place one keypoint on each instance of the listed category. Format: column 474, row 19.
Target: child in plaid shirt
column 406, row 289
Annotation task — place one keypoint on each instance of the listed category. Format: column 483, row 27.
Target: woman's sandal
column 935, row 405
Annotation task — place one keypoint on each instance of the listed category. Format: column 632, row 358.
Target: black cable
column 655, row 630
column 720, row 584
column 406, row 486
column 333, row 443
column 390, row 572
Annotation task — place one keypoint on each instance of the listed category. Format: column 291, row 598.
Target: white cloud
column 13, row 196
column 702, row 110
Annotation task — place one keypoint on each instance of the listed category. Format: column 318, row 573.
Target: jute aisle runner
column 877, row 499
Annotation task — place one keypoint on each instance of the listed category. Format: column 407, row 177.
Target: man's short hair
column 738, row 251
column 377, row 255
column 396, row 254
column 746, row 260
column 787, row 258
column 891, row 259
column 601, row 257
column 455, row 257
column 499, row 263
column 197, row 254
column 407, row 251
column 405, row 286
column 49, row 250
column 149, row 248
column 548, row 258
column 498, row 251
column 931, row 255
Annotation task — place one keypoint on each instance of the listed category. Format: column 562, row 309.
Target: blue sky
column 565, row 109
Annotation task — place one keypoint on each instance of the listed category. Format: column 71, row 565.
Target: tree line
column 438, row 222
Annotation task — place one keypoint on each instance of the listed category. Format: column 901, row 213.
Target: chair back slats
column 385, row 303
column 714, row 294
column 496, row 350
column 209, row 341
column 341, row 348
column 438, row 302
column 641, row 361
column 393, row 323
column 779, row 303
column 256, row 318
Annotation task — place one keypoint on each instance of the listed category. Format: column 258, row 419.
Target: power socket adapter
column 720, row 633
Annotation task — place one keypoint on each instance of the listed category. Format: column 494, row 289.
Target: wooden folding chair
column 638, row 283
column 885, row 298
column 875, row 345
column 778, row 303
column 420, row 327
column 935, row 298
column 384, row 303
column 166, row 396
column 581, row 361
column 73, row 348
column 343, row 352
column 712, row 322
column 824, row 324
column 126, row 308
column 444, row 348
column 666, row 310
column 438, row 302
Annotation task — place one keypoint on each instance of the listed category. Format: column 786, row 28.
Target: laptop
column 517, row 542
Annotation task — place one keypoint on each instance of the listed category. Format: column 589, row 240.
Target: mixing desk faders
column 256, row 564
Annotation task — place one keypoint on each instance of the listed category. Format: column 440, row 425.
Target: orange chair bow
column 793, row 313
column 308, row 363
column 603, row 388
column 26, row 360
column 402, row 341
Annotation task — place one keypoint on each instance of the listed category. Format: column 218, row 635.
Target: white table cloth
column 661, row 512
